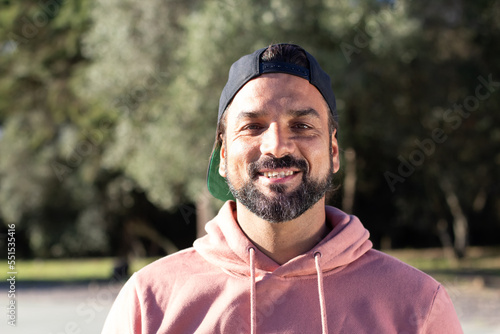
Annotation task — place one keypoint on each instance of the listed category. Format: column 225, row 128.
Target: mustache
column 268, row 162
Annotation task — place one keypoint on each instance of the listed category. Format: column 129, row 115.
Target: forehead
column 275, row 93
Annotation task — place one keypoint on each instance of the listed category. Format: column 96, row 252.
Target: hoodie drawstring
column 253, row 315
column 321, row 292
column 253, row 303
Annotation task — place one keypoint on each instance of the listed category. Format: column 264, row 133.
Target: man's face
column 278, row 154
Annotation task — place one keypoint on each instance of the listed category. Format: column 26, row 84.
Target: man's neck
column 284, row 241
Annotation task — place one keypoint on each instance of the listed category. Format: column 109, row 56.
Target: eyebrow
column 293, row 113
column 250, row 115
column 304, row 112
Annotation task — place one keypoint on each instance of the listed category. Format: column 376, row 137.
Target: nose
column 276, row 141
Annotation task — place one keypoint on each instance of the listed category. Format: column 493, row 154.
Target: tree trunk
column 140, row 228
column 204, row 212
column 460, row 222
column 444, row 236
column 350, row 180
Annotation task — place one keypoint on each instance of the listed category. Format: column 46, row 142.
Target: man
column 277, row 260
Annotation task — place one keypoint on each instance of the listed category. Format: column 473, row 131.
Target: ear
column 222, row 163
column 335, row 152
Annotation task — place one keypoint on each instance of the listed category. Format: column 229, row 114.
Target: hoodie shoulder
column 173, row 266
column 396, row 270
column 389, row 278
column 166, row 284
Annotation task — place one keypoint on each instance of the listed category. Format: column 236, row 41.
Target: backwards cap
column 247, row 68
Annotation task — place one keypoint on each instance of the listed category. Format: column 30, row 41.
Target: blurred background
column 108, row 111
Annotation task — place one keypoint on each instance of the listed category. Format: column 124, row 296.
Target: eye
column 301, row 126
column 252, row 127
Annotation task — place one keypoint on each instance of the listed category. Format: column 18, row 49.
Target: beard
column 280, row 206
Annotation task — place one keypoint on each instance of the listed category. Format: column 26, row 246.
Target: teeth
column 276, row 175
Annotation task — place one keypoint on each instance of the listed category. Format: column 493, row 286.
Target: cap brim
column 216, row 183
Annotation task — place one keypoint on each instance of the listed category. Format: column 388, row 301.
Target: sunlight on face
column 278, row 155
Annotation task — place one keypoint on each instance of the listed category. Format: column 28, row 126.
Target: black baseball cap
column 245, row 69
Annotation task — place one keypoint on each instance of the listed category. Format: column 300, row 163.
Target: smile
column 277, row 175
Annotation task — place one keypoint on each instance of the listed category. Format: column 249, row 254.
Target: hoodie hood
column 227, row 247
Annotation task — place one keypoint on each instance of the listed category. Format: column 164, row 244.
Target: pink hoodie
column 224, row 284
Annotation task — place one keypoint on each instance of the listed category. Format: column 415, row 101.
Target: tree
column 108, row 111
column 42, row 139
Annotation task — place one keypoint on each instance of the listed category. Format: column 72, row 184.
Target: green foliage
column 103, row 100
column 133, row 48
column 42, row 123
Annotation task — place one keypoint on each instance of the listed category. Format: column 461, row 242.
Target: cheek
column 318, row 157
column 235, row 159
column 242, row 151
column 238, row 156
